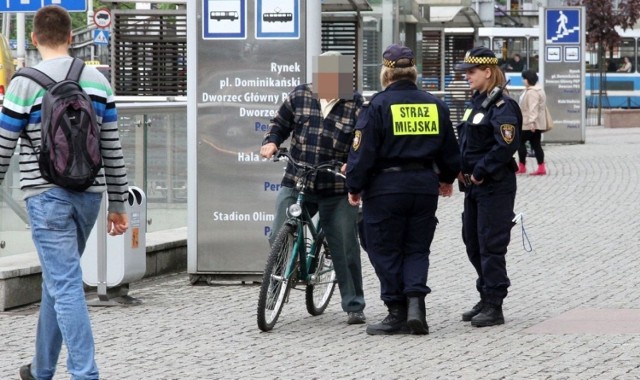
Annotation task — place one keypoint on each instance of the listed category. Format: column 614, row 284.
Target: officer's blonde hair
column 497, row 77
column 389, row 75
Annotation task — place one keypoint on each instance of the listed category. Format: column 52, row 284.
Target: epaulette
column 499, row 103
column 366, row 103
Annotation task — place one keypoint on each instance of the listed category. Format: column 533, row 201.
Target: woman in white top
column 626, row 65
column 532, row 103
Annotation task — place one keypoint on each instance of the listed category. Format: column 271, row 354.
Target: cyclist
column 401, row 136
column 320, row 119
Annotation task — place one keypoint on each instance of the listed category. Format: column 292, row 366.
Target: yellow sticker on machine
column 415, row 119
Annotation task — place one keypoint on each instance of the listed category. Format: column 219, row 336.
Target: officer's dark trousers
column 399, row 229
column 486, row 231
column 338, row 219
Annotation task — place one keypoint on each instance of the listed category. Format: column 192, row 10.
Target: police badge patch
column 508, row 132
column 356, row 140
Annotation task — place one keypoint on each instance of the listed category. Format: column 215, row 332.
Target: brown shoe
column 25, row 372
column 356, row 318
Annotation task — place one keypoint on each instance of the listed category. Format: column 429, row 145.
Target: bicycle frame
column 303, row 245
column 300, row 249
column 300, row 219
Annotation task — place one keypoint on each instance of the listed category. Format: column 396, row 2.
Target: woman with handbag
column 533, row 105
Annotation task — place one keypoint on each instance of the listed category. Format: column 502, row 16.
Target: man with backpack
column 60, row 129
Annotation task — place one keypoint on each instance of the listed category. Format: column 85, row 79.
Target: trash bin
column 125, row 256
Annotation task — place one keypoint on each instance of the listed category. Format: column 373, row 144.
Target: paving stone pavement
column 582, row 220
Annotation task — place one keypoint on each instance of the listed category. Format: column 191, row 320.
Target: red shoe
column 542, row 170
column 522, row 168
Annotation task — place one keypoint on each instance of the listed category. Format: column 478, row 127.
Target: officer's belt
column 408, row 166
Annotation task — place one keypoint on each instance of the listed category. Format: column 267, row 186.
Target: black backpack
column 69, row 152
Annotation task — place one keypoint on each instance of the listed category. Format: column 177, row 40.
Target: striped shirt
column 315, row 139
column 20, row 121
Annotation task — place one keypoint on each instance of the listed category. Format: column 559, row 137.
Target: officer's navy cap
column 476, row 57
column 395, row 53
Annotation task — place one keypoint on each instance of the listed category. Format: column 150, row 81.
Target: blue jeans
column 61, row 221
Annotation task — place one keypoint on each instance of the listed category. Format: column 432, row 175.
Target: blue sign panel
column 20, row 5
column 224, row 19
column 277, row 19
column 100, row 37
column 563, row 26
column 69, row 5
column 16, row 6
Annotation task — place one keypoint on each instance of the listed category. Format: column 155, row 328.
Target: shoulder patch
column 357, row 138
column 500, row 103
column 508, row 132
column 373, row 96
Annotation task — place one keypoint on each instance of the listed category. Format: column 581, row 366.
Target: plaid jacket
column 315, row 139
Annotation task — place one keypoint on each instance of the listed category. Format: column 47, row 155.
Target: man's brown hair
column 52, row 26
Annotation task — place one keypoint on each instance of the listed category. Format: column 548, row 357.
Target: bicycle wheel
column 323, row 279
column 275, row 287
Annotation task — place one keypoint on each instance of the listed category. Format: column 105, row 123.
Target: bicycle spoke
column 275, row 286
column 323, row 279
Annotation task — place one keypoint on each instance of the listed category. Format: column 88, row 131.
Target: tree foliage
column 602, row 18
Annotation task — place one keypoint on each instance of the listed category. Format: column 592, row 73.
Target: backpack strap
column 75, row 70
column 35, row 75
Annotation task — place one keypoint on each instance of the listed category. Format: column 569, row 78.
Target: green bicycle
column 299, row 255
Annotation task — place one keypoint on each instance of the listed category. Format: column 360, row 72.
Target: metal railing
column 153, row 132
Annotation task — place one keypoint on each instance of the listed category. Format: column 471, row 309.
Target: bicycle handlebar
column 325, row 166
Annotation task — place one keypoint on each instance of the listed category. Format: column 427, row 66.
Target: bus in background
column 7, row 67
column 620, row 87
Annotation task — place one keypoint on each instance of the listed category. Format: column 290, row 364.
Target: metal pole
column 89, row 23
column 101, row 234
column 601, row 84
column 89, row 12
column 314, row 34
column 20, row 31
column 6, row 24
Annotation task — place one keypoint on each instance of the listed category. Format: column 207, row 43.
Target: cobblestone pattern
column 582, row 220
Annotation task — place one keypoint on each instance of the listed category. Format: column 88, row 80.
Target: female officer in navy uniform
column 489, row 136
column 404, row 154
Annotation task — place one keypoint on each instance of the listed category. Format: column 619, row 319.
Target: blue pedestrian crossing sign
column 563, row 26
column 100, row 37
column 33, row 5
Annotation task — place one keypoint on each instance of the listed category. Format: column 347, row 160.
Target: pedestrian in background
column 404, row 154
column 626, row 66
column 516, row 63
column 489, row 136
column 60, row 219
column 534, row 121
column 320, row 119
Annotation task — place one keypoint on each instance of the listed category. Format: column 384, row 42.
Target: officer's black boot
column 467, row 315
column 416, row 316
column 491, row 315
column 394, row 323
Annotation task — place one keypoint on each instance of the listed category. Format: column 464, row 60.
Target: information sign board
column 20, row 6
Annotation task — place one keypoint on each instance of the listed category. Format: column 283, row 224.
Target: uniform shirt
column 21, row 118
column 402, row 126
column 489, row 137
column 315, row 139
